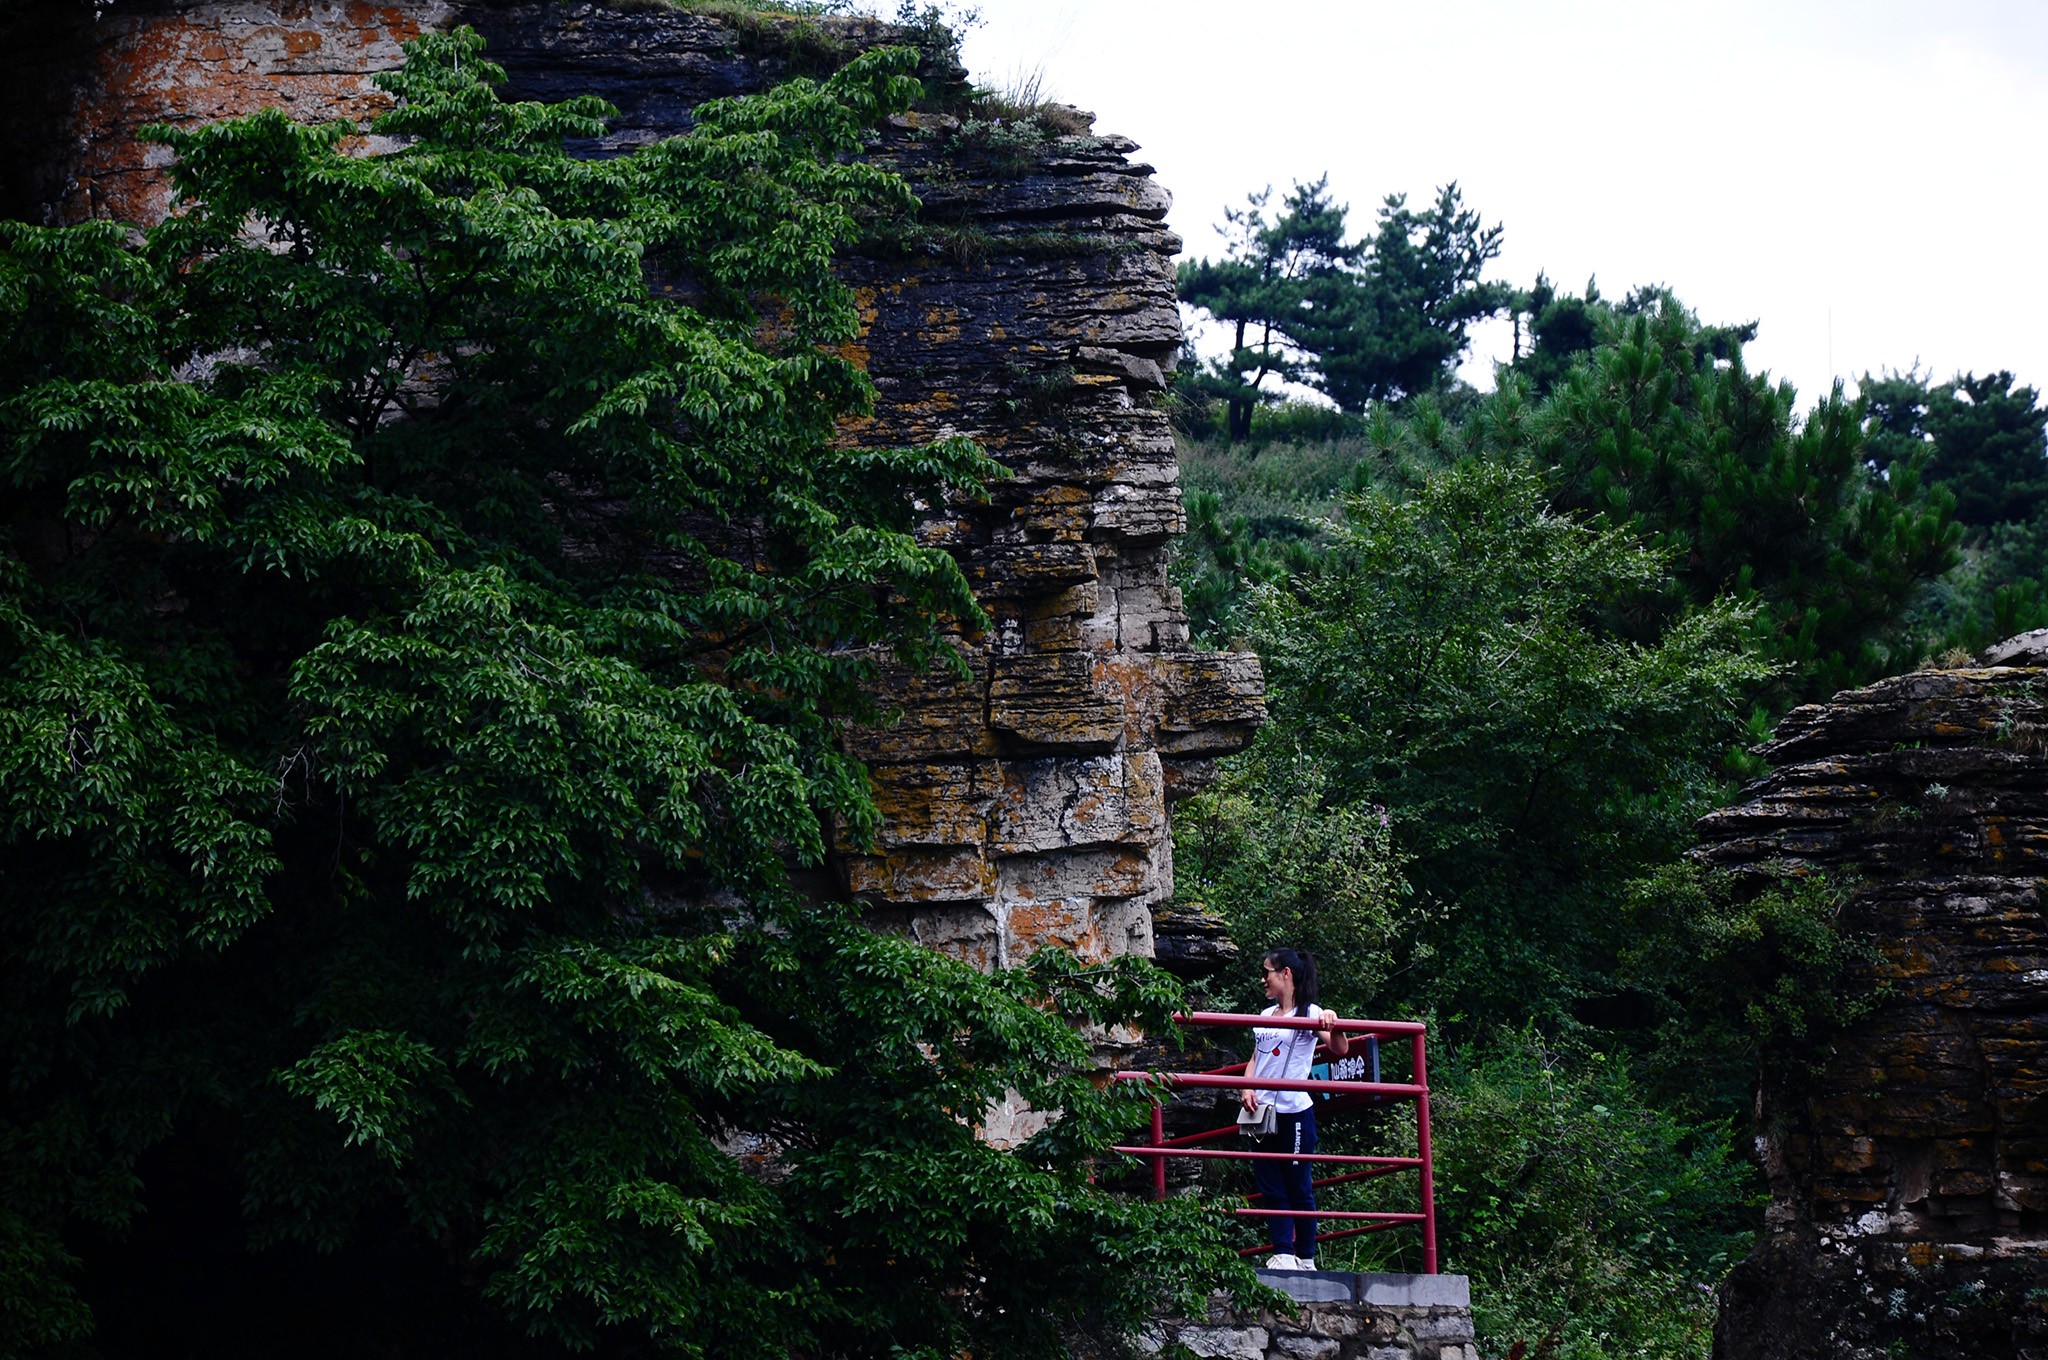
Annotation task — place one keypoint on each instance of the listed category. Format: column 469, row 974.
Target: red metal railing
column 1343, row 1093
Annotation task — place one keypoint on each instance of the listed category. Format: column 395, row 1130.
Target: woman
column 1286, row 1054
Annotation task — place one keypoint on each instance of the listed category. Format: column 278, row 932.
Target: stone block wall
column 1909, row 1182
column 1338, row 1316
column 1025, row 806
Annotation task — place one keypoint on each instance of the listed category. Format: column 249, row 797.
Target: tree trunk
column 1240, row 423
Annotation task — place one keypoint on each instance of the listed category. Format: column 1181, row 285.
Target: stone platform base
column 1340, row 1316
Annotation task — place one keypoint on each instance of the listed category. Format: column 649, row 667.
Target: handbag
column 1257, row 1123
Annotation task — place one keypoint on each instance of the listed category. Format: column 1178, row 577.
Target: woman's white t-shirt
column 1284, row 1055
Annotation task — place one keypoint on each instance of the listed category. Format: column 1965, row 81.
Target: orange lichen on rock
column 314, row 58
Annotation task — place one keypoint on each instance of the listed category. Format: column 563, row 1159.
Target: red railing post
column 1420, row 1076
column 1158, row 1163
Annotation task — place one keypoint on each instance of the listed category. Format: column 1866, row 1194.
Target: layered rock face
column 1909, row 1212
column 1034, row 313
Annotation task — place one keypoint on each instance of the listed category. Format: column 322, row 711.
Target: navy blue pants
column 1286, row 1185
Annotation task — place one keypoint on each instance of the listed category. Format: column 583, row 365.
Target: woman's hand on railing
column 1336, row 1041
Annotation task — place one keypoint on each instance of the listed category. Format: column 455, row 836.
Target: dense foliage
column 1515, row 642
column 1476, row 755
column 1985, row 440
column 1663, row 431
column 1492, row 732
column 1453, row 670
column 421, row 647
column 1827, row 535
column 1588, row 1214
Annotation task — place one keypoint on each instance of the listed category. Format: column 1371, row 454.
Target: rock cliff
column 1909, row 1182
column 1033, row 311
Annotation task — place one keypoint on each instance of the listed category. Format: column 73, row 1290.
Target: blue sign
column 1361, row 1064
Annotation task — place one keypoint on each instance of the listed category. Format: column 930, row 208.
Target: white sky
column 1863, row 177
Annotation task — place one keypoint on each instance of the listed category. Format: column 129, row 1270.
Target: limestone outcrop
column 1033, row 310
column 1909, row 1182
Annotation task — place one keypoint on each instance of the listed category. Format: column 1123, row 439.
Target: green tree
column 1663, row 431
column 1276, row 278
column 421, row 654
column 1454, row 662
column 1985, row 440
column 1288, row 865
column 1560, row 329
column 1585, row 1212
column 1403, row 326
column 1368, row 321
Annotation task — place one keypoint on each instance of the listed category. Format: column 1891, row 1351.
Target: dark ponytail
column 1302, row 964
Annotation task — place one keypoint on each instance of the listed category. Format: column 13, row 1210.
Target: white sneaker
column 1282, row 1261
column 1304, row 1263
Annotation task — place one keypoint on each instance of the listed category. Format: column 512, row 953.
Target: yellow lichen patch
column 935, row 403
column 848, row 433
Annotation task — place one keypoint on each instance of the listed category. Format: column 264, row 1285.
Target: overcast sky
column 1865, row 179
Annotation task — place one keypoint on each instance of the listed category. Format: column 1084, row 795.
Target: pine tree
column 1986, row 440
column 1665, row 431
column 1277, row 279
column 1403, row 326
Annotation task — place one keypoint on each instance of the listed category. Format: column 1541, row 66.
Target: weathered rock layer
column 1034, row 312
column 1909, row 1183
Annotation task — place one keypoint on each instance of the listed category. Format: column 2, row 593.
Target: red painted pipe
column 1158, row 1163
column 1350, row 1176
column 1329, row 1213
column 1354, row 1232
column 1233, row 1154
column 1185, row 1139
column 1421, row 1072
column 1299, row 1022
column 1325, row 1237
column 1388, row 1088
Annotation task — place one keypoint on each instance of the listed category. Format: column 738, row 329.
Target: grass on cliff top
column 1017, row 110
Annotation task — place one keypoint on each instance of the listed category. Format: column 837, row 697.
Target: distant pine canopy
column 1824, row 524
